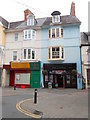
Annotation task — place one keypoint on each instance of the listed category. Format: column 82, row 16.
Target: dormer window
column 30, row 20
column 56, row 17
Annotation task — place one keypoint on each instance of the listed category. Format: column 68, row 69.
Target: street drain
column 61, row 107
column 38, row 113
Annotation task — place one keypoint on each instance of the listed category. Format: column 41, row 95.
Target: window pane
column 53, row 33
column 14, row 55
column 33, row 34
column 68, row 80
column 24, row 53
column 49, row 53
column 29, row 53
column 55, row 52
column 33, row 54
column 29, row 34
column 32, row 21
column 61, row 32
column 57, row 32
column 25, row 35
column 49, row 33
column 62, row 52
column 16, row 36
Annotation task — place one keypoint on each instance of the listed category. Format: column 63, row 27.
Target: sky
column 13, row 10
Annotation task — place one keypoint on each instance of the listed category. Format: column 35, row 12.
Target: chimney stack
column 26, row 13
column 72, row 12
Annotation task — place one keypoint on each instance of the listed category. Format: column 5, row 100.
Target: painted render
column 71, row 43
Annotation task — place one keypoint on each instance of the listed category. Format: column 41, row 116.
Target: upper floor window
column 29, row 54
column 56, row 19
column 55, row 33
column 16, row 36
column 30, row 20
column 29, row 34
column 14, row 55
column 56, row 53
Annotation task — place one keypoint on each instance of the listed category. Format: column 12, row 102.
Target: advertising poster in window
column 22, row 78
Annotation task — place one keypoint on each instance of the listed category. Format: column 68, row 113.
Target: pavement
column 56, row 103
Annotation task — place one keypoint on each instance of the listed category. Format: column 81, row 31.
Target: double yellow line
column 18, row 106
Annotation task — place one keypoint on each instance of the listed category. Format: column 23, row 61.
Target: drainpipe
column 81, row 60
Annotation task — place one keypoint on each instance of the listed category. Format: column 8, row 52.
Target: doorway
column 60, row 80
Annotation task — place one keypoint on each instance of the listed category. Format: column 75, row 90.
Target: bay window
column 29, row 34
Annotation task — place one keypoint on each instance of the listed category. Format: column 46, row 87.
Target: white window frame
column 60, row 36
column 27, row 54
column 56, row 19
column 26, row 34
column 60, row 53
column 30, row 21
column 16, row 36
column 14, row 55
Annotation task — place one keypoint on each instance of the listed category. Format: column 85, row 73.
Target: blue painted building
column 61, row 59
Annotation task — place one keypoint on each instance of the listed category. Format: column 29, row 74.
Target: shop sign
column 58, row 71
column 35, row 66
column 18, row 65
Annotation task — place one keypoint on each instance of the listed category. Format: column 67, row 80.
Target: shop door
column 35, row 79
column 12, row 78
column 60, row 80
column 88, row 77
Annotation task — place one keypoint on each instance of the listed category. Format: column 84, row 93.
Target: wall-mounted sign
column 35, row 66
column 18, row 65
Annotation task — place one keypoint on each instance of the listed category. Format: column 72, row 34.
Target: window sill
column 55, row 59
column 56, row 38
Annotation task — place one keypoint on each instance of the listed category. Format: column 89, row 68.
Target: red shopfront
column 19, row 73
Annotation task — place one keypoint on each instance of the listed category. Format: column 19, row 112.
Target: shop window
column 56, row 53
column 29, row 54
column 14, row 55
column 68, row 79
column 51, row 78
column 73, row 80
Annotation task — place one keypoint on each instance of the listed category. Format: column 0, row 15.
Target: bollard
column 14, row 87
column 35, row 96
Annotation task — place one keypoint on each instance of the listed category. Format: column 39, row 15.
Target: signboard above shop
column 19, row 65
column 35, row 65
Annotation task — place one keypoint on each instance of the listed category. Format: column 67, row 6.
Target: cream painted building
column 3, row 26
column 23, row 43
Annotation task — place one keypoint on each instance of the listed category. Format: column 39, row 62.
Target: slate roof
column 68, row 19
column 4, row 22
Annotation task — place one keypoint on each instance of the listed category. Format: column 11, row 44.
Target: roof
column 68, row 19
column 4, row 22
column 88, row 50
column 13, row 25
column 23, row 24
column 85, row 38
column 55, row 13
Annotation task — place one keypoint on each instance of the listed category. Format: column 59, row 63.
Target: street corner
column 29, row 112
